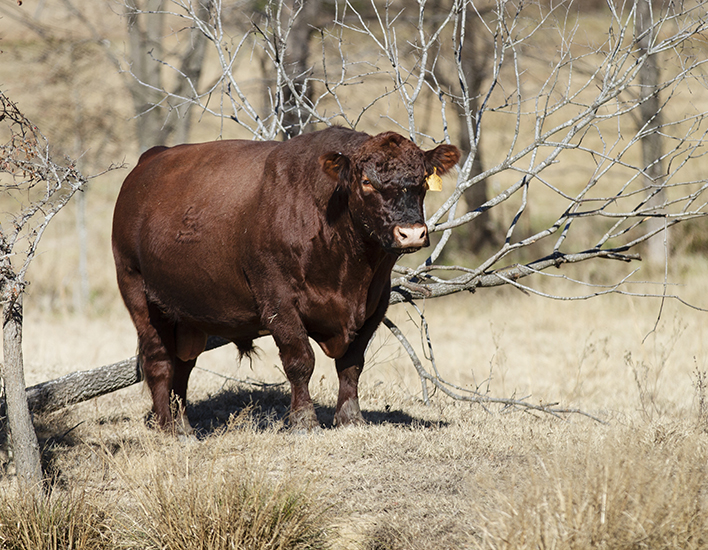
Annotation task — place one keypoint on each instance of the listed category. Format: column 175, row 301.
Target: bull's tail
column 246, row 349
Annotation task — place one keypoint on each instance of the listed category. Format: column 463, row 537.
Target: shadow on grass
column 269, row 408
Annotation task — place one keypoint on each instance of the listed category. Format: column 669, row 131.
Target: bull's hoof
column 181, row 426
column 349, row 414
column 178, row 426
column 304, row 420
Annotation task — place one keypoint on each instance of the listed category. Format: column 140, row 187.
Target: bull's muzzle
column 411, row 236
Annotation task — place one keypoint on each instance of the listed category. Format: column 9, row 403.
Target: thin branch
column 473, row 396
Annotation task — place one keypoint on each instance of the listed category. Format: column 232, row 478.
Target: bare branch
column 474, row 396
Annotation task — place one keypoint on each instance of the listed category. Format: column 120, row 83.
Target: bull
column 242, row 239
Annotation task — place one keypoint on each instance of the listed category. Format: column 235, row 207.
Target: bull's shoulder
column 297, row 160
column 334, row 138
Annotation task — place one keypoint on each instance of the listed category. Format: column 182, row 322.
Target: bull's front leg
column 349, row 369
column 299, row 363
column 350, row 366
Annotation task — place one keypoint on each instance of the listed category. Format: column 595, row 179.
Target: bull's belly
column 230, row 311
column 235, row 333
column 220, row 312
column 334, row 346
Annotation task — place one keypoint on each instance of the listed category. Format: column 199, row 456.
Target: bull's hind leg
column 155, row 358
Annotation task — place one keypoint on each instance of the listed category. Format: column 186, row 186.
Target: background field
column 448, row 475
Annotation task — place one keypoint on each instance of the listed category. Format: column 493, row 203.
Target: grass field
column 447, row 475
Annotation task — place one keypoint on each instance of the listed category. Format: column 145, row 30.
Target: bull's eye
column 368, row 185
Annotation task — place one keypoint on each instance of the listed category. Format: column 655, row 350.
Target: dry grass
column 62, row 520
column 415, row 478
column 451, row 475
column 631, row 488
column 222, row 510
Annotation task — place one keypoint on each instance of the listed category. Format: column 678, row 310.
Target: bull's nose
column 412, row 236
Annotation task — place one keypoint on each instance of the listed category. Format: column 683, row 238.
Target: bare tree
column 34, row 190
column 557, row 109
column 157, row 119
column 464, row 82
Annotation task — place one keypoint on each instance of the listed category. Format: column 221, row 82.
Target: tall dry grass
column 64, row 519
column 197, row 499
column 224, row 513
column 634, row 488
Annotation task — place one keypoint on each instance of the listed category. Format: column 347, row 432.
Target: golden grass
column 631, row 488
column 450, row 475
column 447, row 477
column 60, row 521
column 215, row 510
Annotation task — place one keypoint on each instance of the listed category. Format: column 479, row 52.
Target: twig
column 472, row 396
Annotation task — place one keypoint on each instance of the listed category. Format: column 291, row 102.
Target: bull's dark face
column 385, row 182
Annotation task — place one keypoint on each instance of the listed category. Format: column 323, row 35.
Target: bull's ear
column 442, row 158
column 338, row 167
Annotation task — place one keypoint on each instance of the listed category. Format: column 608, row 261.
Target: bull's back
column 178, row 220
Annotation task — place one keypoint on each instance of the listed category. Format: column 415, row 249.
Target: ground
column 446, row 475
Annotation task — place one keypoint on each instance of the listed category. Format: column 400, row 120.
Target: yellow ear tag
column 434, row 181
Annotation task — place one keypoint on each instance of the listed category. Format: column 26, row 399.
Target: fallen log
column 84, row 385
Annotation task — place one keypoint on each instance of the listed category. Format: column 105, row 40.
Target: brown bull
column 294, row 239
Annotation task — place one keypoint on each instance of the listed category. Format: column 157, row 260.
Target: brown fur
column 293, row 239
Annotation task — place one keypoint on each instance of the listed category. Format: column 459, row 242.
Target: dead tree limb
column 84, row 385
column 473, row 395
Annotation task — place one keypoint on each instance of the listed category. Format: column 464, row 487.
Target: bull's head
column 385, row 182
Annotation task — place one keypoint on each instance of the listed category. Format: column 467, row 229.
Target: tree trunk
column 650, row 116
column 83, row 293
column 474, row 57
column 297, row 66
column 145, row 43
column 157, row 121
column 191, row 68
column 24, row 439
